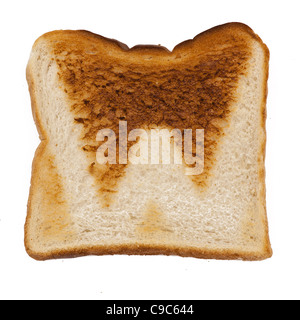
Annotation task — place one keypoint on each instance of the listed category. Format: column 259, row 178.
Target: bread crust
column 268, row 249
column 137, row 249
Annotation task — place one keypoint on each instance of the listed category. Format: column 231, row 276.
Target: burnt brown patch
column 182, row 93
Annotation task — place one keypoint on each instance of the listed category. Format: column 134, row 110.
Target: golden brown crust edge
column 268, row 249
column 151, row 249
column 159, row 49
column 37, row 156
column 136, row 249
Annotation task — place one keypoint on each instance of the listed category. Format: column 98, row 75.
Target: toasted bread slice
column 81, row 83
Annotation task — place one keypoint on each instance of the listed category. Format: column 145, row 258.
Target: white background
column 122, row 277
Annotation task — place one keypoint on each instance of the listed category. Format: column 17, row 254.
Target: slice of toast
column 81, row 83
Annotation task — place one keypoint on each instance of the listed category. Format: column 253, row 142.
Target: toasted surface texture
column 81, row 82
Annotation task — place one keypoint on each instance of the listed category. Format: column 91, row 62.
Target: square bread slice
column 81, row 83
